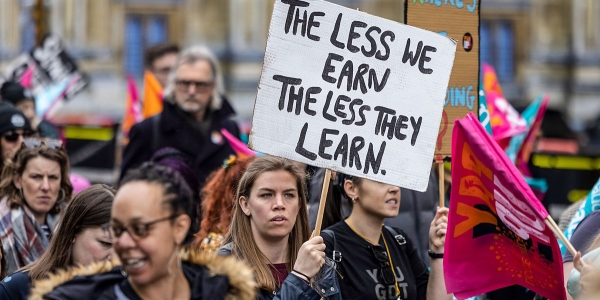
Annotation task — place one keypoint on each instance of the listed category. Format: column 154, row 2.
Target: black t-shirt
column 360, row 268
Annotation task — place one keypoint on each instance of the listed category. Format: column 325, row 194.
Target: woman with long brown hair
column 81, row 238
column 34, row 187
column 270, row 231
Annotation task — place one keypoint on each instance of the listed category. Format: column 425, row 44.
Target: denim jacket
column 294, row 288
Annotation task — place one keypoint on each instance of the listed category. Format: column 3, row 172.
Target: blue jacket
column 294, row 288
column 16, row 286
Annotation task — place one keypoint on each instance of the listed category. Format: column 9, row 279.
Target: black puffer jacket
column 209, row 276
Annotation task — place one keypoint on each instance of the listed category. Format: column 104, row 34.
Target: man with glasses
column 13, row 128
column 194, row 113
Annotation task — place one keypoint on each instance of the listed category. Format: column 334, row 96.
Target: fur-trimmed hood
column 99, row 278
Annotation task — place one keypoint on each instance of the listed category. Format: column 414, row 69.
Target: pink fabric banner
column 505, row 120
column 496, row 231
column 524, row 152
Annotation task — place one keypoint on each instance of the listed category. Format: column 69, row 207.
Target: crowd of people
column 192, row 217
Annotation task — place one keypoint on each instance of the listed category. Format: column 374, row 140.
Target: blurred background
column 536, row 46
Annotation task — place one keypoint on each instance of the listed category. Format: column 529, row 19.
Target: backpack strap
column 336, row 255
column 400, row 239
column 155, row 133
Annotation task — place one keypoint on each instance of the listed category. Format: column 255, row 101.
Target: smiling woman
column 150, row 218
column 34, row 186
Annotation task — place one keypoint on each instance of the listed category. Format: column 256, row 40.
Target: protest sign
column 499, row 234
column 46, row 65
column 344, row 90
column 460, row 21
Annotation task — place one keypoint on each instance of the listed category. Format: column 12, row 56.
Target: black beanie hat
column 14, row 92
column 12, row 119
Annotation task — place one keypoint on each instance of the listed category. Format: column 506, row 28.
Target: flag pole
column 322, row 202
column 442, row 181
column 550, row 222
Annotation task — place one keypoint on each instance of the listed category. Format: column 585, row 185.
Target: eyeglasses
column 137, row 231
column 36, row 143
column 386, row 271
column 200, row 86
column 14, row 136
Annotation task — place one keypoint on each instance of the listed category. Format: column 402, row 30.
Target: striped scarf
column 22, row 237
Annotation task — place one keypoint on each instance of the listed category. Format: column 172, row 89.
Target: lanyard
column 387, row 251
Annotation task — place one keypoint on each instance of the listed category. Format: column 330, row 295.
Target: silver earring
column 170, row 269
column 64, row 195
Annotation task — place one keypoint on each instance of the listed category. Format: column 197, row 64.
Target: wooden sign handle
column 442, row 181
column 322, row 202
column 550, row 222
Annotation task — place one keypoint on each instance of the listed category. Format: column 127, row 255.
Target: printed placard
column 355, row 93
column 459, row 20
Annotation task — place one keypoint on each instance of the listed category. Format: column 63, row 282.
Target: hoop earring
column 173, row 256
column 64, row 195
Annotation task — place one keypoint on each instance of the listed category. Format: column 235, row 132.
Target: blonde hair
column 240, row 232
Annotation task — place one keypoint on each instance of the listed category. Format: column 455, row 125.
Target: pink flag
column 496, row 236
column 526, row 148
column 26, row 79
column 238, row 146
column 505, row 120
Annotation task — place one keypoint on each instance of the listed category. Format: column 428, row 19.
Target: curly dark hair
column 176, row 191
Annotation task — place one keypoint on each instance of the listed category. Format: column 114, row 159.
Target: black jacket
column 174, row 131
column 209, row 276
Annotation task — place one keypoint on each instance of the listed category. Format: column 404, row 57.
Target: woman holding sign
column 270, row 231
column 383, row 262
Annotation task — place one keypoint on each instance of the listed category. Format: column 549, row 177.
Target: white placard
column 355, row 93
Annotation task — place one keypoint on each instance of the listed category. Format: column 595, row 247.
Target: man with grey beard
column 195, row 110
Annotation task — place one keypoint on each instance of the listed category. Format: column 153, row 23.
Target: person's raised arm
column 436, row 287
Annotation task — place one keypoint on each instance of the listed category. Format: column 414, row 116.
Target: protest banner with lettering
column 459, row 20
column 45, row 66
column 497, row 233
column 355, row 93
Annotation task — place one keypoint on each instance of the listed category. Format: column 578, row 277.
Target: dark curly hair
column 176, row 190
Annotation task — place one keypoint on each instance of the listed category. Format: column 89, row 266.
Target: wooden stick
column 442, row 181
column 322, row 202
column 550, row 222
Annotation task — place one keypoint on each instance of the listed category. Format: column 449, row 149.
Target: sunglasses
column 200, row 86
column 14, row 136
column 36, row 143
column 386, row 270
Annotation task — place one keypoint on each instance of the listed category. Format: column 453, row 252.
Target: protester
column 14, row 93
column 34, row 187
column 149, row 222
column 414, row 217
column 377, row 261
column 160, row 60
column 194, row 112
column 81, row 238
column 14, row 127
column 582, row 238
column 582, row 280
column 218, row 198
column 270, row 231
column 179, row 162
